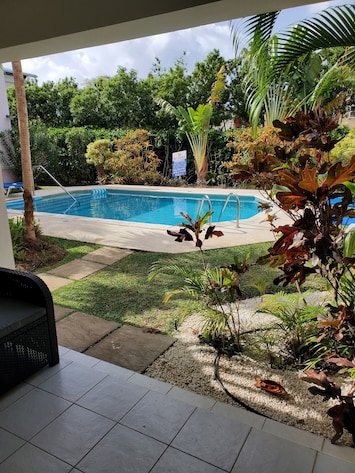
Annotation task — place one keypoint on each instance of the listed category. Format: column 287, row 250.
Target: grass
column 75, row 250
column 122, row 292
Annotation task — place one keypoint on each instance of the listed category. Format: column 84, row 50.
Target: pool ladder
column 42, row 168
column 229, row 196
column 205, row 197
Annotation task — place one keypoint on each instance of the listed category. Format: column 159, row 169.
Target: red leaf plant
column 343, row 414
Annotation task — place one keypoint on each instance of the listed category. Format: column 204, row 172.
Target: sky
column 192, row 44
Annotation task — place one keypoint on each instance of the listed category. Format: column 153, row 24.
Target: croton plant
column 318, row 196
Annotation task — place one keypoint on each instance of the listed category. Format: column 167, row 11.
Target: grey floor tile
column 150, row 383
column 113, row 370
column 71, row 436
column 14, row 394
column 9, row 444
column 269, row 454
column 31, row 413
column 158, row 416
column 123, row 450
column 174, row 461
column 191, row 398
column 47, row 373
column 112, row 398
column 328, row 464
column 339, row 451
column 214, row 439
column 239, row 414
column 85, row 360
column 63, row 350
column 73, row 381
column 295, row 435
column 30, row 459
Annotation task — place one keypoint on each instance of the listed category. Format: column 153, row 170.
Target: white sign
column 179, row 163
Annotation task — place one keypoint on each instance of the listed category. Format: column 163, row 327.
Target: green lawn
column 122, row 292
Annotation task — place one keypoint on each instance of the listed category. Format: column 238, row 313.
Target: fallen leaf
column 271, row 387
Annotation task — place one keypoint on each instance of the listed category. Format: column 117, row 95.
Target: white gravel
column 189, row 365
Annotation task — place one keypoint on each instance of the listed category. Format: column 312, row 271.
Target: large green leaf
column 331, row 28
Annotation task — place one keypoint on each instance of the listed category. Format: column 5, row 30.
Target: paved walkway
column 130, row 347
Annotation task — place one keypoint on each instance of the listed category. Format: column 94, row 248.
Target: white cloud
column 140, row 54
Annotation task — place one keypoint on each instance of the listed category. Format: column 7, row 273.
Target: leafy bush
column 296, row 320
column 133, row 160
column 344, row 149
column 218, row 287
column 43, row 149
column 317, row 195
column 256, row 157
column 97, row 154
column 17, row 229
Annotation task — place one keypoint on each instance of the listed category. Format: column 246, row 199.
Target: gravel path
column 189, row 365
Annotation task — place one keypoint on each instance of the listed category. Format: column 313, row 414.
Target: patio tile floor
column 88, row 416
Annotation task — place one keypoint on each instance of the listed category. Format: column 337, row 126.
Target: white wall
column 5, row 124
column 6, row 252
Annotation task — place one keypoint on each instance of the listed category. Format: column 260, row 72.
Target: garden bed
column 189, row 364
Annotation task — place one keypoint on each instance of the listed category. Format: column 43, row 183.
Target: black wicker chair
column 28, row 339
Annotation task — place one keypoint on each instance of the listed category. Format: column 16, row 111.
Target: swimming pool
column 142, row 206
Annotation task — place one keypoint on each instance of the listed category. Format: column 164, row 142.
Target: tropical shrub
column 218, row 287
column 318, row 196
column 17, row 230
column 44, row 150
column 344, row 149
column 133, row 160
column 97, row 153
column 294, row 326
column 255, row 157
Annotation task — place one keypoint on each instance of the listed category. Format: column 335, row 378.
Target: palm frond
column 331, row 28
column 257, row 29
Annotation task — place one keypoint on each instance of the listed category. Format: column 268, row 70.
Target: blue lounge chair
column 9, row 186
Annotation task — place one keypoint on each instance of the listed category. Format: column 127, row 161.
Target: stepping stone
column 77, row 269
column 61, row 312
column 106, row 255
column 54, row 282
column 130, row 347
column 79, row 331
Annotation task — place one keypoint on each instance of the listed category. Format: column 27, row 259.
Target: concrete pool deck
column 148, row 237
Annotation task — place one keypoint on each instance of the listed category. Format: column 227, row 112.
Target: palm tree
column 273, row 58
column 195, row 123
column 27, row 176
column 331, row 28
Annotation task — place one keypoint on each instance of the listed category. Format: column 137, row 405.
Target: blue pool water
column 141, row 206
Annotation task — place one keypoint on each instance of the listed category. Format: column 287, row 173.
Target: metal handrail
column 205, row 197
column 231, row 194
column 42, row 168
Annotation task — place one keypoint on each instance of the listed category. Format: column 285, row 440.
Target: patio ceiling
column 33, row 28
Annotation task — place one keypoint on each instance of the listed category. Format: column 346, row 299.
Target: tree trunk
column 27, row 176
column 201, row 173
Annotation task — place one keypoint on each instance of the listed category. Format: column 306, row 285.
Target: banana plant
column 195, row 123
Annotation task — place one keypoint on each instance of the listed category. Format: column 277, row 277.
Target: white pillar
column 6, row 252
